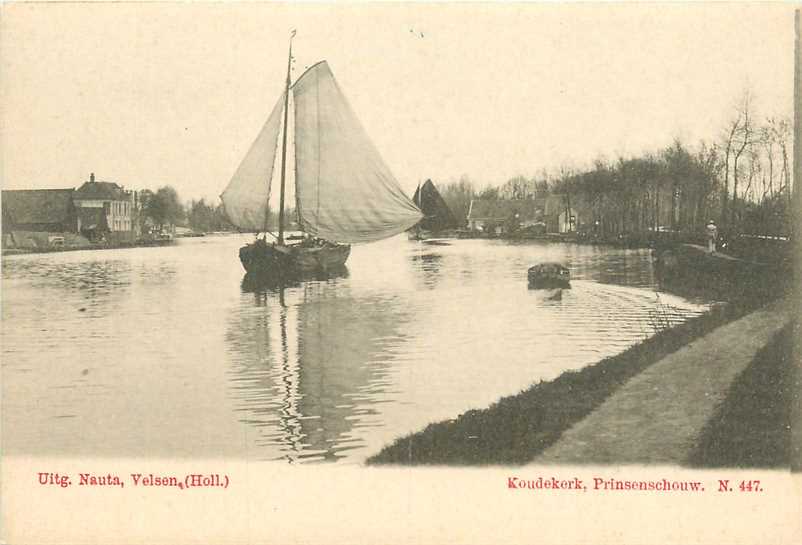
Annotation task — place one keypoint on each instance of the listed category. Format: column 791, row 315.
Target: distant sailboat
column 437, row 215
column 344, row 192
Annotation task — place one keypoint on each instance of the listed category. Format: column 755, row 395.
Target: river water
column 166, row 352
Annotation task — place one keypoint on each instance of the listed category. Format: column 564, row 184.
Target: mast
column 284, row 147
column 795, row 232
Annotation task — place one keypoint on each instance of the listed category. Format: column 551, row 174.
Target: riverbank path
column 656, row 416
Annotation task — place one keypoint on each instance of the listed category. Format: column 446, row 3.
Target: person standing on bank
column 712, row 234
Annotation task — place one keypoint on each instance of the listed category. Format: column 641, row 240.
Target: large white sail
column 345, row 192
column 245, row 197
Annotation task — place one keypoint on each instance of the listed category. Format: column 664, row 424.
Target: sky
column 154, row 94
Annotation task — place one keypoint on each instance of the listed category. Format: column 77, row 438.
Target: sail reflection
column 310, row 363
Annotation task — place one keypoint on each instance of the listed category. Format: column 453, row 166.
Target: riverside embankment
column 658, row 415
column 30, row 242
column 649, row 404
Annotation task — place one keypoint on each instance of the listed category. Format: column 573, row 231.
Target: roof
column 23, row 206
column 103, row 191
column 504, row 209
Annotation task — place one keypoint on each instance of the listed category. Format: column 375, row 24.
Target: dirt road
column 656, row 416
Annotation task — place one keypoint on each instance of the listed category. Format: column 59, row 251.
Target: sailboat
column 344, row 192
column 437, row 219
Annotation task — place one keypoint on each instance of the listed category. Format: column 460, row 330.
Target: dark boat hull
column 422, row 235
column 262, row 258
column 548, row 284
column 549, row 276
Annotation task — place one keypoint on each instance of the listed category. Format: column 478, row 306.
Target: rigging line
column 317, row 107
column 270, row 187
column 298, row 216
column 298, row 212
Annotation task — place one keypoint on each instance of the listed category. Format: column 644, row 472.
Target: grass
column 517, row 428
column 752, row 427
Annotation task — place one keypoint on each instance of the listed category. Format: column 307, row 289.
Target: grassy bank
column 752, row 427
column 517, row 428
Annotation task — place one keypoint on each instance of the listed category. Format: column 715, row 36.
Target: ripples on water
column 169, row 352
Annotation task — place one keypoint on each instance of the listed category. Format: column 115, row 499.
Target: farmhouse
column 500, row 216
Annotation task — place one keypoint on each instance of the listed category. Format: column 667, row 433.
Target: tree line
column 161, row 208
column 164, row 208
column 741, row 180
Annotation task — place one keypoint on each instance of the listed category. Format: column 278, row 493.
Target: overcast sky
column 147, row 95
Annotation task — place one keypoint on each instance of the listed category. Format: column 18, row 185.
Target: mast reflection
column 310, row 363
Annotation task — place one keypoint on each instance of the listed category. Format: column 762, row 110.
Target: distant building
column 105, row 207
column 499, row 216
column 43, row 210
column 570, row 213
column 561, row 214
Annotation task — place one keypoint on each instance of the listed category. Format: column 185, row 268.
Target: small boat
column 438, row 220
column 344, row 192
column 549, row 276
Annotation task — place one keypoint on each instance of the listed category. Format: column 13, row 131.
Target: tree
column 745, row 134
column 221, row 221
column 458, row 196
column 201, row 216
column 163, row 207
column 778, row 132
column 204, row 217
column 517, row 188
column 732, row 128
column 739, row 137
column 490, row 193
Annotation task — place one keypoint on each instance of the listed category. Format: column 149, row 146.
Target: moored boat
column 438, row 220
column 549, row 276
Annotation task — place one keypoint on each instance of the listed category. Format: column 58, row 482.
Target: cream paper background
column 277, row 503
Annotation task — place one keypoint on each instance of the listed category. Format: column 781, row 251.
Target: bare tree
column 745, row 135
column 780, row 132
column 766, row 138
column 732, row 129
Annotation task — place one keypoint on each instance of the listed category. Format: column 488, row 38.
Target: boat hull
column 421, row 235
column 262, row 258
column 549, row 276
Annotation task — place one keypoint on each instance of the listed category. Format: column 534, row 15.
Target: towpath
column 656, row 416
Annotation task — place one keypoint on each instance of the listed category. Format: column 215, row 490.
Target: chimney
column 92, row 177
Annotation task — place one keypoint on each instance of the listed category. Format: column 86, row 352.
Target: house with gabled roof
column 498, row 216
column 105, row 207
column 566, row 213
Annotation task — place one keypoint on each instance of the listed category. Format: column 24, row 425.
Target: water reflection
column 171, row 352
column 621, row 267
column 93, row 277
column 308, row 360
column 428, row 264
column 261, row 283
